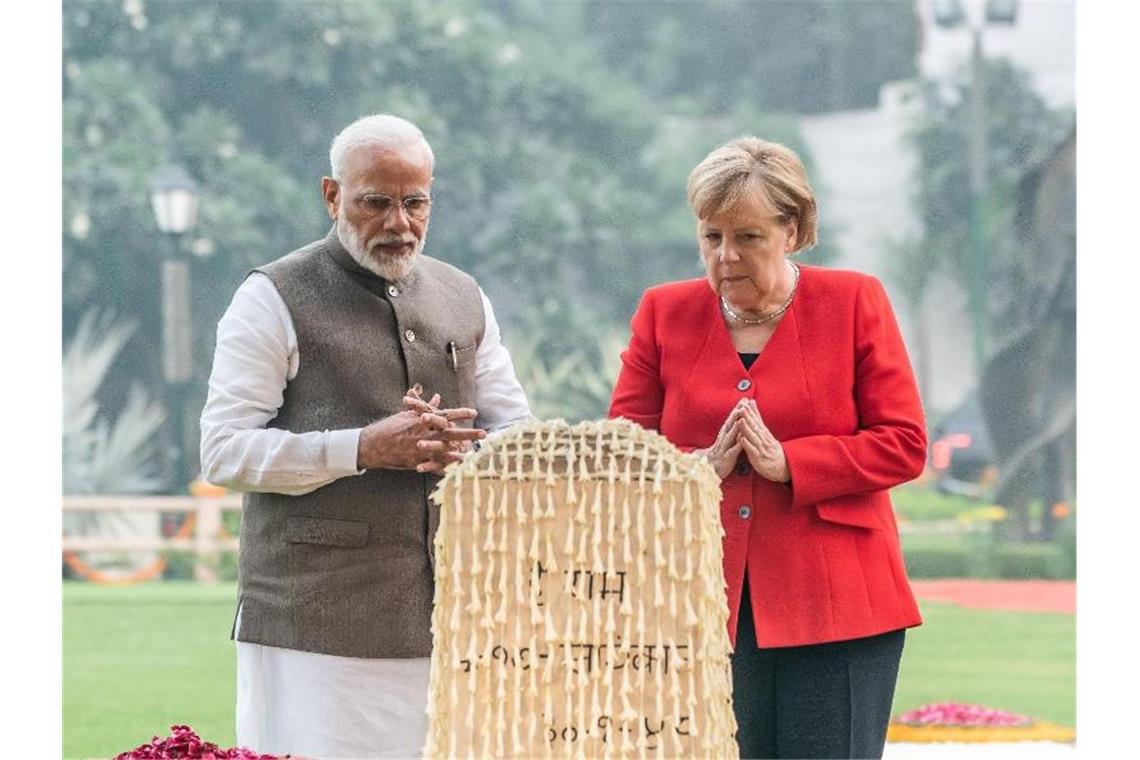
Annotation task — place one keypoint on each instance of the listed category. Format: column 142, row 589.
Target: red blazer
column 835, row 387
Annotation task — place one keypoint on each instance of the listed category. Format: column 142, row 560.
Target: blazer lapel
column 777, row 376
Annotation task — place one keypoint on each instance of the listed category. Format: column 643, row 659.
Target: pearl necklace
column 772, row 315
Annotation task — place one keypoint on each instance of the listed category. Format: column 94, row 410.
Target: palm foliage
column 574, row 384
column 100, row 455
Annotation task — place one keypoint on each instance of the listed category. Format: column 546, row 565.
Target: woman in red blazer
column 795, row 384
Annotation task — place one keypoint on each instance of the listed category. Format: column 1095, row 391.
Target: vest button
column 742, row 467
column 744, row 385
column 393, row 291
column 745, row 512
column 410, row 335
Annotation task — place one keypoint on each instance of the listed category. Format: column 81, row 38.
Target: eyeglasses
column 415, row 206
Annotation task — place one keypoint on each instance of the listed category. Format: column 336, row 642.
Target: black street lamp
column 174, row 199
column 949, row 14
column 1001, row 11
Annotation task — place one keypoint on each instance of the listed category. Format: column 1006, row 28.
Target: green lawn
column 138, row 659
column 1018, row 661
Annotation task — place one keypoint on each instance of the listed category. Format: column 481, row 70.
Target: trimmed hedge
column 180, row 565
column 955, row 557
column 1034, row 561
column 937, row 562
column 921, row 503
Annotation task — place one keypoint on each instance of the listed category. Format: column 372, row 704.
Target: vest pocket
column 326, row 531
column 465, row 377
column 465, row 354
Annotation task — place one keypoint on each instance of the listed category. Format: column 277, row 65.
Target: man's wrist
column 345, row 450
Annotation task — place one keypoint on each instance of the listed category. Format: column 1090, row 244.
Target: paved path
column 1027, row 596
column 980, row 751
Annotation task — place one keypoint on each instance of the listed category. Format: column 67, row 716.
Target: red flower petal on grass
column 184, row 744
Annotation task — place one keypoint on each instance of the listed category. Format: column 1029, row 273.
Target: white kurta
column 288, row 701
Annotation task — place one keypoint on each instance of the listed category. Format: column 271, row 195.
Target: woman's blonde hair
column 748, row 165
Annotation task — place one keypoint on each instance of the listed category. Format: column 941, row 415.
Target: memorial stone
column 579, row 602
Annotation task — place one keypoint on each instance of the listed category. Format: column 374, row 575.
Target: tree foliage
column 1027, row 382
column 1021, row 131
column 559, row 180
column 778, row 55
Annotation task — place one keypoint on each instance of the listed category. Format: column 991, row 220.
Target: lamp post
column 174, row 200
column 949, row 14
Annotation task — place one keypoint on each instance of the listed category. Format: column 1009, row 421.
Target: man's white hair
column 377, row 129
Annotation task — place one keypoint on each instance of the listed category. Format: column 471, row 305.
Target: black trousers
column 819, row 701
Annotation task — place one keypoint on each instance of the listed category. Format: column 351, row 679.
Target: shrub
column 228, row 566
column 957, row 556
column 179, row 565
column 937, row 562
column 1066, row 540
column 1033, row 561
column 920, row 503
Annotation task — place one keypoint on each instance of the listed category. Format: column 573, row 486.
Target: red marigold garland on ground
column 184, row 744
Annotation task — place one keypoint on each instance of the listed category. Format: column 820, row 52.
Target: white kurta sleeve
column 499, row 397
column 256, row 356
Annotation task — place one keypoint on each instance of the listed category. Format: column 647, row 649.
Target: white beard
column 392, row 268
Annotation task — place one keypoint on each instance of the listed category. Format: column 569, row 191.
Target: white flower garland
column 564, row 555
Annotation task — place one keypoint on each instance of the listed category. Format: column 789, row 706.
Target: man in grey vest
column 314, row 410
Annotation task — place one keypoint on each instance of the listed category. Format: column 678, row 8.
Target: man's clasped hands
column 423, row 437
